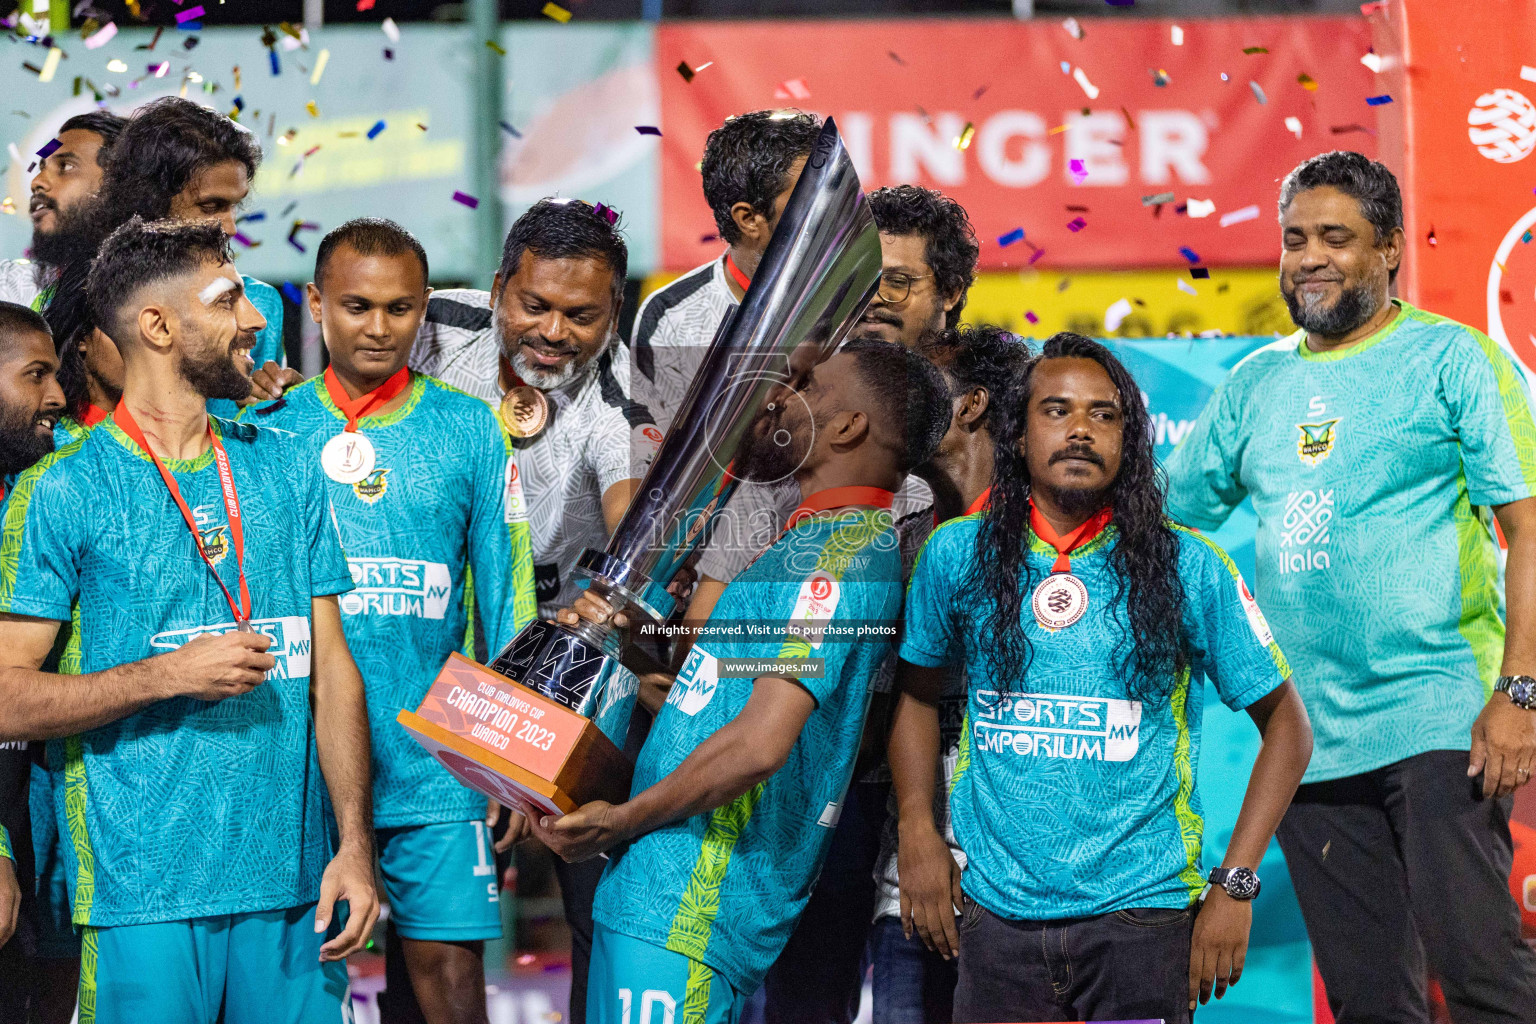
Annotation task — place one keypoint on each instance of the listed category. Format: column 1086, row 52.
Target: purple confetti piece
column 243, row 239
column 389, row 54
column 1029, row 315
column 1189, row 254
column 378, row 127
column 466, row 199
column 648, row 129
column 189, row 14
column 1037, row 254
column 296, row 244
column 48, row 148
column 1016, row 235
column 1079, row 171
column 608, row 213
column 510, row 130
column 291, row 290
column 1076, row 224
column 1376, row 101
column 1200, row 273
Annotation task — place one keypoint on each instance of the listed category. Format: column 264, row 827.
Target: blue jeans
column 913, row 984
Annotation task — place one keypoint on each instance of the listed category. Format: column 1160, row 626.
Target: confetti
column 51, row 65
column 980, row 92
column 1016, row 235
column 963, row 140
column 1372, row 60
column 1258, row 92
column 1345, row 129
column 292, row 293
column 1430, row 238
column 218, row 286
column 1078, row 171
column 390, row 54
column 1076, row 224
column 1224, row 77
column 1185, row 287
column 1066, row 67
column 1293, row 125
column 1074, row 29
column 365, row 5
column 606, row 212
column 189, row 14
column 1525, row 238
column 794, row 89
column 1198, row 208
column 314, row 111
column 116, row 65
column 320, row 63
column 1035, row 255
column 1029, row 315
column 1189, row 254
column 1160, row 77
column 391, row 30
column 1326, row 845
column 555, row 11
column 378, row 126
column 1255, row 49
column 1238, row 216
column 1527, row 72
column 1200, row 273
column 511, row 130
column 271, row 61
column 101, row 36
column 648, row 129
column 1376, row 101
column 684, row 70
column 1176, row 34
column 1082, row 80
column 493, row 45
column 892, row 54
column 1115, row 315
column 48, row 148
column 1161, row 197
column 1120, row 3
column 1306, row 82
column 466, row 199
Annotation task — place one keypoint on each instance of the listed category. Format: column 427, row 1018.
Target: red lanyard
column 981, row 502
column 94, row 414
column 1071, row 542
column 839, row 497
column 736, row 275
column 242, row 611
column 355, row 409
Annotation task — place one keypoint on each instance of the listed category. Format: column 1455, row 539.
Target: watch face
column 1523, row 693
column 1242, row 884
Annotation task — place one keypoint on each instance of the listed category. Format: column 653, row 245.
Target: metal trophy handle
column 820, row 270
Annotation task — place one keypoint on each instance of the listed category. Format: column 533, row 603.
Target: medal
column 349, row 456
column 524, row 411
column 1062, row 598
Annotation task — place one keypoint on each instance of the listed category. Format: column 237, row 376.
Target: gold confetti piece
column 51, row 65
column 1255, row 49
column 964, row 139
column 555, row 11
column 496, row 46
column 1306, row 82
column 314, row 111
column 1326, row 845
column 237, row 78
column 1057, row 130
column 324, row 58
column 9, row 205
column 347, row 135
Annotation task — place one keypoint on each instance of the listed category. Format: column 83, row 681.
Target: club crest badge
column 1316, row 441
column 372, row 487
column 215, row 542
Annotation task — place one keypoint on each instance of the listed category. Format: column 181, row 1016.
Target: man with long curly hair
column 1084, row 619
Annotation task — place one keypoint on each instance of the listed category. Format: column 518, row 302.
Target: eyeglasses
column 895, row 286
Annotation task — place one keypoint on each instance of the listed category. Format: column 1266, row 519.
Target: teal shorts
column 56, row 935
column 261, row 968
column 635, row 982
column 441, row 881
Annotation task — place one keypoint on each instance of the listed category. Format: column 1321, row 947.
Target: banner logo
column 1502, row 125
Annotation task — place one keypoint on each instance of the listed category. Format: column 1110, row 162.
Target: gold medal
column 348, row 457
column 1059, row 601
column 525, row 411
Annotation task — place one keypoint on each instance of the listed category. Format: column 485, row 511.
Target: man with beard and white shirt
column 540, row 344
column 65, row 177
column 1379, row 444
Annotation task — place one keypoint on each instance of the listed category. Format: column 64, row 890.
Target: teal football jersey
column 1372, row 470
column 188, row 808
column 1071, row 797
column 441, row 507
column 725, row 888
column 269, row 340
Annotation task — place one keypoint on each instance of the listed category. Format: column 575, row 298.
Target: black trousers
column 1126, row 965
column 1405, row 870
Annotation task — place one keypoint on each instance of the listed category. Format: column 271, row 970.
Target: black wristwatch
column 1521, row 690
column 1239, row 883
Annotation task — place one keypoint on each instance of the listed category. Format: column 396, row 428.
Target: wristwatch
column 1239, row 883
column 1521, row 690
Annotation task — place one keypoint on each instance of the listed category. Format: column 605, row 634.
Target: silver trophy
column 820, row 270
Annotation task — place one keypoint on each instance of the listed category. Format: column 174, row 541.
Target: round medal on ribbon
column 1059, row 601
column 348, row 457
column 525, row 411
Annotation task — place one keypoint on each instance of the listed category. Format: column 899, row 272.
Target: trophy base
column 514, row 744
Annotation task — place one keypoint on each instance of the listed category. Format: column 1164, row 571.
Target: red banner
column 1031, row 127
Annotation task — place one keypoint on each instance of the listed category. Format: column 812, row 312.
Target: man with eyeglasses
column 928, row 255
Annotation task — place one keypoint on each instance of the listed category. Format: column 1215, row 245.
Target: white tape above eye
column 216, row 287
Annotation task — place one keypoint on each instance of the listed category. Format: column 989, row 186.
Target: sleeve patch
column 814, row 607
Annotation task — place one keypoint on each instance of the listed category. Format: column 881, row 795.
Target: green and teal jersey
column 1372, row 471
column 187, row 808
column 269, row 340
column 1072, row 796
column 725, row 888
column 442, row 506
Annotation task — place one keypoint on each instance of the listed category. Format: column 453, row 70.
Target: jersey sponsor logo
column 397, row 586
column 215, row 543
column 1315, row 442
column 515, row 509
column 372, row 487
column 814, row 607
column 1304, row 531
column 1057, row 726
column 1256, row 620
column 696, row 683
column 289, row 634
